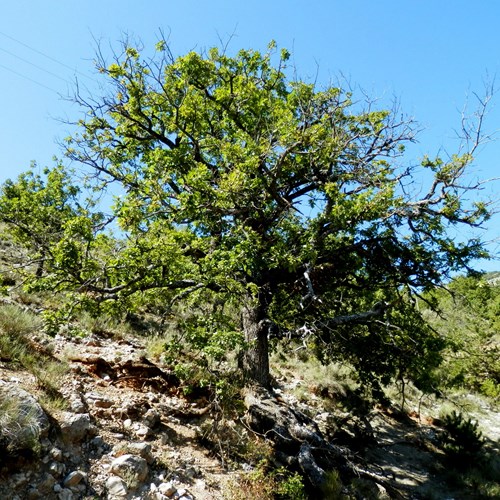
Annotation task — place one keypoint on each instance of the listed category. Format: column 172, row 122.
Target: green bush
column 462, row 440
column 17, row 327
column 19, row 429
column 265, row 483
column 469, row 320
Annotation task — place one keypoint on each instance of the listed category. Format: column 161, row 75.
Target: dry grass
column 17, row 347
column 19, row 428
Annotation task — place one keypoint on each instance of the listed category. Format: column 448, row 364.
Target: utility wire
column 34, row 65
column 30, row 79
column 44, row 55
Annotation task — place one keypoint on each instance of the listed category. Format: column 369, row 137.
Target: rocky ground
column 129, row 432
column 125, row 431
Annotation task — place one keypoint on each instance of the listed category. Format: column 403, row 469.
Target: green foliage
column 53, row 321
column 490, row 388
column 44, row 214
column 476, row 478
column 462, row 439
column 266, row 483
column 199, row 370
column 332, row 487
column 16, row 346
column 469, row 320
column 401, row 347
column 244, row 187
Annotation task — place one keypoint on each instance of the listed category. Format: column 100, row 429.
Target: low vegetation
column 464, row 458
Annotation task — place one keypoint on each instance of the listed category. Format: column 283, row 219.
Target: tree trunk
column 39, row 267
column 255, row 359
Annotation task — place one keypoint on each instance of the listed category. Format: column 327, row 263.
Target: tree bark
column 254, row 361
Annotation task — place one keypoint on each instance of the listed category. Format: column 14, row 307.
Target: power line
column 44, row 55
column 34, row 65
column 30, row 79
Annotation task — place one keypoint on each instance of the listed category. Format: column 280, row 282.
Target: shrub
column 16, row 345
column 462, row 440
column 19, row 428
column 265, row 483
column 332, row 487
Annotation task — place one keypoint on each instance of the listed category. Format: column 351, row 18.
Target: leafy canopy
column 250, row 189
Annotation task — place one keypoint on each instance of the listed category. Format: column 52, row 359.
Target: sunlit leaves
column 240, row 183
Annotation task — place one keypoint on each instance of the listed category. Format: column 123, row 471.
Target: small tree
column 44, row 213
column 283, row 200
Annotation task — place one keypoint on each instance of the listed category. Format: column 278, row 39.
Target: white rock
column 167, row 489
column 98, row 400
column 159, row 496
column 132, row 468
column 201, row 484
column 116, row 487
column 56, row 454
column 151, row 418
column 152, row 397
column 75, row 427
column 141, row 430
column 57, row 468
column 77, row 405
column 143, row 450
column 74, row 478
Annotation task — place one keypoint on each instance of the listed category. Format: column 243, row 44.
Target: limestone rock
column 74, row 478
column 116, row 487
column 57, row 469
column 167, row 489
column 141, row 431
column 77, row 405
column 98, row 400
column 56, row 454
column 131, row 468
column 143, row 450
column 151, row 418
column 75, row 427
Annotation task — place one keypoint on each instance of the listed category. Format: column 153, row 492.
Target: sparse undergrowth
column 18, row 328
column 208, row 378
column 19, row 430
column 267, row 483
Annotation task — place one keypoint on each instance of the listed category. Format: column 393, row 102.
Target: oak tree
column 245, row 186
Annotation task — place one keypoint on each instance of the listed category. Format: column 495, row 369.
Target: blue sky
column 429, row 55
